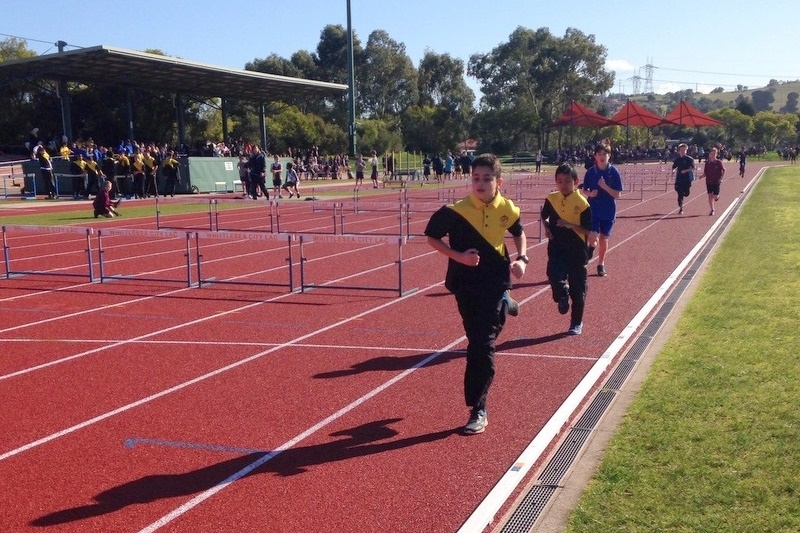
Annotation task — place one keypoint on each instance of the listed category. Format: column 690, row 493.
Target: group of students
column 253, row 175
column 578, row 220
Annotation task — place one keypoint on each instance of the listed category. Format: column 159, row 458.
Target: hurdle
column 371, row 207
column 246, row 236
column 75, row 230
column 25, row 195
column 273, row 214
column 70, row 176
column 352, row 239
column 211, row 211
column 149, row 234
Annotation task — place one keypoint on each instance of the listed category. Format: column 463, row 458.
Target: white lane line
column 197, row 500
column 171, row 328
column 485, row 513
column 218, row 371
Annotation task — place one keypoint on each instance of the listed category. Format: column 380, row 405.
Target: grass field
column 710, row 443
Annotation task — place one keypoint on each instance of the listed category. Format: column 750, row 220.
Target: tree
column 421, row 129
column 442, row 87
column 381, row 135
column 13, row 48
column 535, row 74
column 762, row 100
column 791, row 103
column 387, row 78
column 772, row 129
column 17, row 98
column 331, row 55
column 745, row 106
column 738, row 126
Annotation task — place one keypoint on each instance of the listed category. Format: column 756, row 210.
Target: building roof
column 105, row 65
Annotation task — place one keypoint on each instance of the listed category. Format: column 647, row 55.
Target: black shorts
column 712, row 188
column 276, row 182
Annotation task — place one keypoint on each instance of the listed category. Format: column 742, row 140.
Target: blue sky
column 691, row 45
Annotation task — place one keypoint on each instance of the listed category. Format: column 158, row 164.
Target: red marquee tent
column 632, row 114
column 687, row 115
column 581, row 116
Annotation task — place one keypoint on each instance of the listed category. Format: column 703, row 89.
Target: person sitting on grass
column 103, row 206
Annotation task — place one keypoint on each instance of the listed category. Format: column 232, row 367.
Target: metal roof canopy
column 105, row 65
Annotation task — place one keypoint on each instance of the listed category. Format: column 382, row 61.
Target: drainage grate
column 567, row 452
column 600, row 403
column 529, row 510
column 621, row 373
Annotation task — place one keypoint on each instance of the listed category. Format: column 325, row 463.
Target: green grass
column 711, row 441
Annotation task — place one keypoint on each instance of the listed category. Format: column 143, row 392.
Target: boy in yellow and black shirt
column 479, row 273
column 567, row 220
column 137, row 168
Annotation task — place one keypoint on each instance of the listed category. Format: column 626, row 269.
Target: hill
column 710, row 102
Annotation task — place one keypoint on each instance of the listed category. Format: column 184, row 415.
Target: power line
column 51, row 43
column 722, row 73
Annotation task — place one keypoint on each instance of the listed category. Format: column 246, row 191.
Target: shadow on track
column 357, row 442
column 390, row 364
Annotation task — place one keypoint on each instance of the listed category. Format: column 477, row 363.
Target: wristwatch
column 523, row 258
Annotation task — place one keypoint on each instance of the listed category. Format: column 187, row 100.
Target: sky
column 690, row 45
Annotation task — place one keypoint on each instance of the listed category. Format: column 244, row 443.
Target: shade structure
column 632, row 114
column 687, row 115
column 579, row 115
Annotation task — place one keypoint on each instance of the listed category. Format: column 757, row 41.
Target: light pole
column 351, row 86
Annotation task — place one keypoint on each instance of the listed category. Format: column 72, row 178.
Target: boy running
column 479, row 273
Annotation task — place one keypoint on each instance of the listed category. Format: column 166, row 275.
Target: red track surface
column 146, row 405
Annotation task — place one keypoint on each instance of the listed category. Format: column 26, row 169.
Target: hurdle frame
column 159, row 233
column 307, row 238
column 48, row 229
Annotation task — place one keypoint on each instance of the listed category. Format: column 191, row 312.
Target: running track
column 150, row 406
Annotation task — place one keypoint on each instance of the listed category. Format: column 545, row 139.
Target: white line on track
column 197, row 500
column 221, row 370
column 164, row 330
column 485, row 513
column 486, row 508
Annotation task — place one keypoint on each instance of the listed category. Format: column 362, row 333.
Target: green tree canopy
column 535, row 74
column 387, row 81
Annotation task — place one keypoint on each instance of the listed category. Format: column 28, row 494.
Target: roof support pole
column 262, row 124
column 180, row 110
column 129, row 111
column 224, row 108
column 63, row 94
column 351, row 86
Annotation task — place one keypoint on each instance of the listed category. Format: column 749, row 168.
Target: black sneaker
column 511, row 304
column 477, row 422
column 601, row 270
column 563, row 304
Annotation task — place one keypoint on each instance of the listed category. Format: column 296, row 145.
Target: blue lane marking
column 134, row 441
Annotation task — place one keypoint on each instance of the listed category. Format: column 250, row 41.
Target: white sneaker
column 478, row 420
